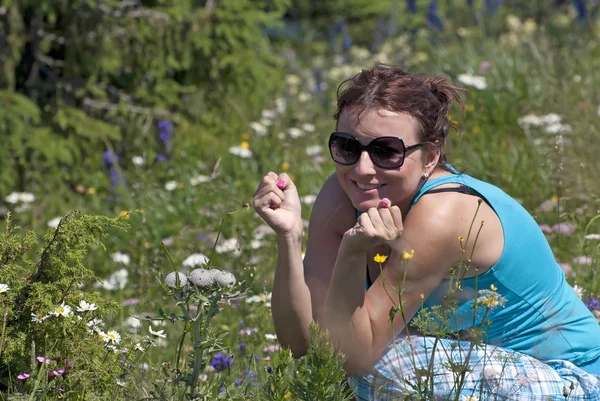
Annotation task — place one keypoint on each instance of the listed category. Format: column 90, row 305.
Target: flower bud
column 171, row 280
column 202, row 278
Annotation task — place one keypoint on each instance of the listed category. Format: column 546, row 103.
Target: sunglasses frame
column 367, row 148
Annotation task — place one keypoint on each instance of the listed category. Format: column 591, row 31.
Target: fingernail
column 385, row 202
column 280, row 184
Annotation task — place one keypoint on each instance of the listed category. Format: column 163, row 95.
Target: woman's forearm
column 291, row 303
column 346, row 315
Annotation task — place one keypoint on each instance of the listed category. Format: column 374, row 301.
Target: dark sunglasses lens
column 387, row 152
column 344, row 150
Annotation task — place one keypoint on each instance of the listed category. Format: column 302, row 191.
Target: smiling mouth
column 366, row 187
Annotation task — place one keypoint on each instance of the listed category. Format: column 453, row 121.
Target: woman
column 391, row 127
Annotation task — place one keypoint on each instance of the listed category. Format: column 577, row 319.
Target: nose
column 364, row 165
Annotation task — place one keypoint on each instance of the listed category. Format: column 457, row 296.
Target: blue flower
column 221, row 362
column 110, row 158
column 592, row 304
column 241, row 347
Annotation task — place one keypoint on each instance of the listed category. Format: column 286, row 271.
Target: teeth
column 363, row 186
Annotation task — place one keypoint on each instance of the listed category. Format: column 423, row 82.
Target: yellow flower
column 493, row 287
column 490, row 302
column 246, row 136
column 287, row 395
column 476, row 129
column 422, row 296
column 91, row 191
column 124, row 214
column 146, row 244
column 408, row 255
column 554, row 198
column 470, row 107
column 461, row 239
column 380, row 258
column 245, row 145
column 285, row 166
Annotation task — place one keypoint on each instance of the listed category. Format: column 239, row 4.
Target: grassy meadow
column 531, row 127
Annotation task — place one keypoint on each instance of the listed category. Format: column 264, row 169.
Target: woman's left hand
column 381, row 225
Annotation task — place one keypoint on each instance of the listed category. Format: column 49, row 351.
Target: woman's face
column 398, row 185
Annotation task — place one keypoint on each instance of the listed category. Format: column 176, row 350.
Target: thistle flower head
column 171, row 280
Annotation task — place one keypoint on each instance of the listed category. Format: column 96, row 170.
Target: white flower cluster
column 549, row 123
column 20, row 197
column 476, row 81
column 116, row 281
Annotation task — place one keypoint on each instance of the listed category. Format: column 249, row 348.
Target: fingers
column 384, row 222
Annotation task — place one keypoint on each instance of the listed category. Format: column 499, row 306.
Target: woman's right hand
column 276, row 200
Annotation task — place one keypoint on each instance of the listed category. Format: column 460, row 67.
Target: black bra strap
column 463, row 189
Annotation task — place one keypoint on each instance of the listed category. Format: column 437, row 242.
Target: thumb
column 284, row 182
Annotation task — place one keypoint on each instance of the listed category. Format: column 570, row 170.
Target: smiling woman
column 388, row 146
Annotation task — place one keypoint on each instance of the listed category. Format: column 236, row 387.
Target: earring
column 425, row 175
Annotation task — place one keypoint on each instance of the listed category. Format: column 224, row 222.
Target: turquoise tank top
column 543, row 316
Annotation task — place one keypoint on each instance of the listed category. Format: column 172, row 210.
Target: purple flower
column 165, row 132
column 256, row 358
column 41, row 360
column 23, row 376
column 239, row 381
column 221, row 362
column 592, row 304
column 241, row 346
column 582, row 260
column 110, row 158
column 564, row 228
column 131, row 301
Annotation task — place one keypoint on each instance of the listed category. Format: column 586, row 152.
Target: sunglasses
column 387, row 152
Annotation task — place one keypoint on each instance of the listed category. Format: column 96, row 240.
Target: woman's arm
column 358, row 321
column 299, row 287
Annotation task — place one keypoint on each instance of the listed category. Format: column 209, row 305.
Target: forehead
column 372, row 123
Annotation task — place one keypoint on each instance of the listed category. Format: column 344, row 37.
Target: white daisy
column 593, row 236
column 578, row 290
column 199, row 179
column 159, row 333
column 13, row 198
column 476, row 81
column 39, row 318
column 85, row 307
column 240, row 151
column 171, row 185
column 54, row 222
column 119, row 257
column 308, row 127
column 295, row 132
column 138, row 160
column 4, row 288
column 196, row 259
column 271, row 337
column 62, row 310
column 314, row 150
column 112, row 337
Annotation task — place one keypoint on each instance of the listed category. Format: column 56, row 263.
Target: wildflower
column 63, row 310
column 592, row 304
column 4, row 288
column 85, row 307
column 380, row 258
column 111, row 337
column 565, row 228
column 43, row 360
column 119, row 257
column 229, row 245
column 266, row 298
column 248, row 331
column 308, row 199
column 285, row 166
column 23, row 197
column 493, row 287
column 468, row 398
column 54, row 222
column 171, row 185
column 159, row 333
column 314, row 150
column 295, row 132
column 271, row 348
column 271, row 337
column 476, row 81
column 490, row 299
column 196, row 259
column 221, row 362
column 138, row 160
column 578, row 290
column 592, row 236
column 287, row 396
column 582, row 260
column 241, row 346
column 23, row 376
column 308, row 127
column 199, row 179
column 408, row 255
column 91, row 191
column 243, row 150
column 95, row 325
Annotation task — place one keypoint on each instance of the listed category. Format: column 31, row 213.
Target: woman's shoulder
column 333, row 207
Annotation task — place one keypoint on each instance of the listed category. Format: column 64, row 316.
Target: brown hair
column 427, row 98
